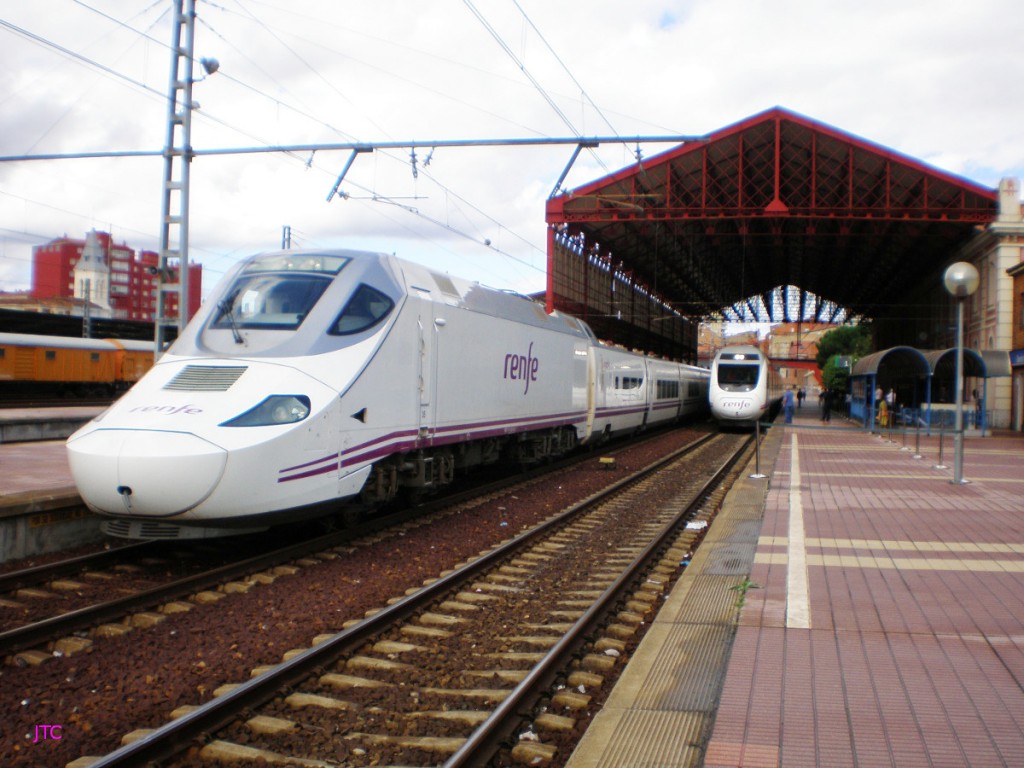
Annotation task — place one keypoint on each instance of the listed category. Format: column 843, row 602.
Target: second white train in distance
column 744, row 387
column 314, row 377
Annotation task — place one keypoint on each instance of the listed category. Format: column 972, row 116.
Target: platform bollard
column 917, row 441
column 940, row 465
column 757, row 451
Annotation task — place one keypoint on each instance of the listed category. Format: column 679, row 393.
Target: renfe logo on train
column 522, row 367
column 170, row 410
column 737, row 403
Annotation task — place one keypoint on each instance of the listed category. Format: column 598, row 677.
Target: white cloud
column 935, row 80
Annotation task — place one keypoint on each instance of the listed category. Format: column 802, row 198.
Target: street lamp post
column 961, row 280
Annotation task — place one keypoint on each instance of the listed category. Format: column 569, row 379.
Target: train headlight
column 276, row 409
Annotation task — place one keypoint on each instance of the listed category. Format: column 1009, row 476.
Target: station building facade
column 994, row 315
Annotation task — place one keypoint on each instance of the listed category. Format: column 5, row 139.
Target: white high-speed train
column 314, row 377
column 744, row 387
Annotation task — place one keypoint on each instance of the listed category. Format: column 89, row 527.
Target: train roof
column 72, row 342
column 476, row 297
column 737, row 349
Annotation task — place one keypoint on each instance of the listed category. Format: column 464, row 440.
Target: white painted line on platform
column 798, row 602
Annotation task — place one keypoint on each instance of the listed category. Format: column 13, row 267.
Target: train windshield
column 737, row 377
column 270, row 300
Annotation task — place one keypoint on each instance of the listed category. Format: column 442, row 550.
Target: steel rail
column 38, row 574
column 31, row 635
column 488, row 738
column 171, row 738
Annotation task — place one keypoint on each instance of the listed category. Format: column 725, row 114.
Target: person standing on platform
column 825, row 400
column 800, row 395
column 787, row 405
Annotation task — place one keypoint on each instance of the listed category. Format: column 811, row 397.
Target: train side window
column 94, row 357
column 667, row 390
column 3, row 353
column 365, row 309
column 51, row 354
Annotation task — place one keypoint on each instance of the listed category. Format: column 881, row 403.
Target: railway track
column 141, row 577
column 500, row 659
column 58, row 608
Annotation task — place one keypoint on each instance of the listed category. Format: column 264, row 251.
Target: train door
column 648, row 389
column 428, row 327
column 593, row 382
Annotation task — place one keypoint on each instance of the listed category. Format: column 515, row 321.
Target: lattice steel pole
column 174, row 200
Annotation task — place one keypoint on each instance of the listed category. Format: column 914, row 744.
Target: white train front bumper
column 125, row 472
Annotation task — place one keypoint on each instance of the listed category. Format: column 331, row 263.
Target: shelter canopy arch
column 777, row 217
column 924, row 382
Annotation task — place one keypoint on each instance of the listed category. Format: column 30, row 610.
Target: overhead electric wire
column 305, row 63
column 522, row 67
column 536, row 83
column 377, row 197
column 563, row 65
column 205, row 115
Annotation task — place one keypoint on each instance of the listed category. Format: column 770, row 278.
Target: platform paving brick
column 914, row 650
column 34, row 468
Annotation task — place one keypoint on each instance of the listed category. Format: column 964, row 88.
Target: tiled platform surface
column 53, row 423
column 37, row 467
column 33, row 468
column 890, row 626
column 886, row 627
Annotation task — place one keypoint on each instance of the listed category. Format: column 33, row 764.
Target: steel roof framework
column 776, row 218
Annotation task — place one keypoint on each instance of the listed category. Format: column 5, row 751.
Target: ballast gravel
column 136, row 680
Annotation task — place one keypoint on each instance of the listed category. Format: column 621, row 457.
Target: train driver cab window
column 270, row 301
column 737, row 377
column 365, row 309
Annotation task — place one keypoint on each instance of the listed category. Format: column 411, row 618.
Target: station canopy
column 777, row 218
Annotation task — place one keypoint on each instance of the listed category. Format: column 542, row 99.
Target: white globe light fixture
column 961, row 280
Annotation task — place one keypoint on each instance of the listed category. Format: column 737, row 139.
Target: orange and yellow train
column 32, row 364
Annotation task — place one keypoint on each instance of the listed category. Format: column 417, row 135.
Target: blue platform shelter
column 941, row 405
column 924, row 383
column 903, row 369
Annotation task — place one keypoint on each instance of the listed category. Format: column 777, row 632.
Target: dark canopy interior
column 775, row 218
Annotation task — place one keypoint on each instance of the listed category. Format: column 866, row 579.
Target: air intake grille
column 145, row 529
column 206, row 378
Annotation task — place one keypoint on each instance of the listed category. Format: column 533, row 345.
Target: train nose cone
column 153, row 474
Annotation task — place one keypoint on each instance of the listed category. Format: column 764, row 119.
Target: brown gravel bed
column 136, row 680
column 105, row 584
column 53, row 557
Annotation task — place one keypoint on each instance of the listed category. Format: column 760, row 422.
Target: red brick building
column 113, row 277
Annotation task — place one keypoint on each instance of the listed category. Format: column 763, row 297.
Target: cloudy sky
column 939, row 80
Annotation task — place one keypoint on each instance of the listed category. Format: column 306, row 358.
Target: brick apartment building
column 117, row 282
